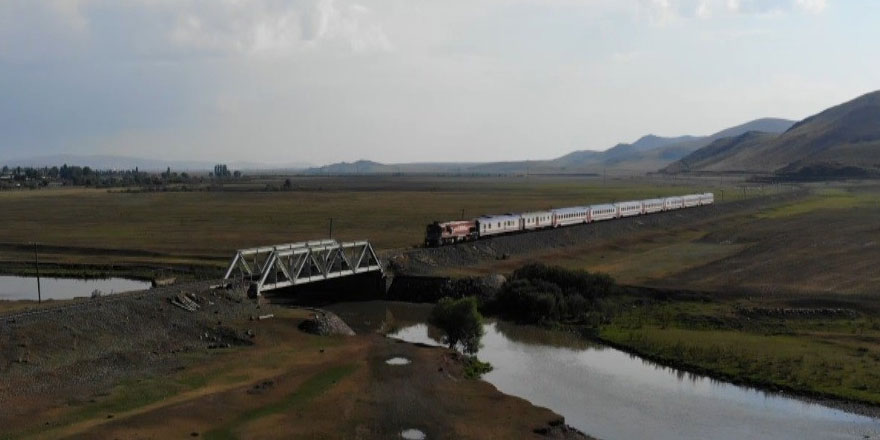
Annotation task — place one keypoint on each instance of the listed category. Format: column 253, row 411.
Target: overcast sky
column 321, row 81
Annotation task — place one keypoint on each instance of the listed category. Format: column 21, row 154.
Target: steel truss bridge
column 292, row 264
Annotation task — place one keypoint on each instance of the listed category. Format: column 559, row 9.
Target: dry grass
column 203, row 228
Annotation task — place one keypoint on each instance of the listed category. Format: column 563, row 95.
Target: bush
column 589, row 285
column 475, row 368
column 461, row 322
column 542, row 294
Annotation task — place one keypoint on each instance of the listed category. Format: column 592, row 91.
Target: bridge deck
column 290, row 264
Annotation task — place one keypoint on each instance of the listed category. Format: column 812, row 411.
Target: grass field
column 80, row 226
column 831, row 355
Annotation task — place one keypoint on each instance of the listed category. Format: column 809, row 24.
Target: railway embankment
column 440, row 260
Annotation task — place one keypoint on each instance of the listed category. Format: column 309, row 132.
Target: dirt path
column 142, row 369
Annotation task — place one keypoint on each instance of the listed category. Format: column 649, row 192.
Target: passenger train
column 438, row 234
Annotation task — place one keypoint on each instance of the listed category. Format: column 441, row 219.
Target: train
column 456, row 231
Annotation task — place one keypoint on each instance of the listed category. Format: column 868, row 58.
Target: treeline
column 534, row 294
column 68, row 175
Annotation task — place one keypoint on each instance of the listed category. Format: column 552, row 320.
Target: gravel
column 427, row 261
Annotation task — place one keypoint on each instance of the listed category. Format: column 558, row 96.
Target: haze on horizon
column 321, row 81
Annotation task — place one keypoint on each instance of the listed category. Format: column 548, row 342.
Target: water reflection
column 614, row 395
column 25, row 288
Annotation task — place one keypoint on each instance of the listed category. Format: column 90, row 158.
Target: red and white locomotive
column 438, row 234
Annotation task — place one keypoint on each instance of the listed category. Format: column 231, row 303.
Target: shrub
column 540, row 294
column 475, row 368
column 461, row 322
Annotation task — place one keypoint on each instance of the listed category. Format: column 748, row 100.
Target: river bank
column 820, row 347
column 136, row 365
column 620, row 395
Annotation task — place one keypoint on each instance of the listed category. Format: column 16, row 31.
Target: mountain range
column 842, row 140
column 648, row 153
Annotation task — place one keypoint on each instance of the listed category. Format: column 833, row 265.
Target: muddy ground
column 136, row 366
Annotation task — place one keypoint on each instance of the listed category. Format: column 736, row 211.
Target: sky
column 321, row 81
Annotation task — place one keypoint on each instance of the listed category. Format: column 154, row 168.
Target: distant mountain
column 359, row 167
column 648, row 153
column 839, row 138
column 720, row 150
column 123, row 162
column 370, row 167
column 651, row 141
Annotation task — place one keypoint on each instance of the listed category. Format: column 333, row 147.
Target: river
column 18, row 288
column 611, row 395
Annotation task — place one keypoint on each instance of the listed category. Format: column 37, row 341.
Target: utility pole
column 37, row 266
column 331, row 227
column 462, row 213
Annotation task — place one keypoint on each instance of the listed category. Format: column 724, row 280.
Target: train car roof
column 570, row 209
column 499, row 217
column 602, row 206
column 628, row 202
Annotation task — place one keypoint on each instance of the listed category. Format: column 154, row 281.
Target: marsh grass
column 827, row 356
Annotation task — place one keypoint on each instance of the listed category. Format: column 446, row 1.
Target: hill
column 648, row 153
column 841, row 139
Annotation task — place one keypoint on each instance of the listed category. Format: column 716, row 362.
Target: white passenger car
column 535, row 220
column 629, row 209
column 691, row 200
column 651, row 206
column 498, row 224
column 670, row 203
column 570, row 216
column 602, row 212
column 707, row 198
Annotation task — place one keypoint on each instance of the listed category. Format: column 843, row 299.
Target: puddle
column 400, row 361
column 413, row 434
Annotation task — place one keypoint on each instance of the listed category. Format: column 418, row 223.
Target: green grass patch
column 831, row 356
column 310, row 389
column 832, row 198
column 475, row 368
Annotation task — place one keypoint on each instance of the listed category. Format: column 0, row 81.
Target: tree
column 461, row 321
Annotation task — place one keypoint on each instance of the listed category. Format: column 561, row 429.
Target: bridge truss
column 291, row 264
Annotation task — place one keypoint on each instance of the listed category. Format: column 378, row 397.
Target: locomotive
column 439, row 234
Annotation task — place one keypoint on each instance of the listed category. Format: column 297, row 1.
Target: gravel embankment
column 427, row 261
column 81, row 347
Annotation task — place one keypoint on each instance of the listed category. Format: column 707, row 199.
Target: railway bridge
column 292, row 264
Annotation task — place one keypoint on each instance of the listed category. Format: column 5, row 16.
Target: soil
column 136, row 366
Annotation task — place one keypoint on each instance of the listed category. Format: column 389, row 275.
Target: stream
column 610, row 394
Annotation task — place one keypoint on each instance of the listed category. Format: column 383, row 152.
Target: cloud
column 665, row 11
column 41, row 30
column 813, row 6
column 278, row 27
